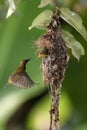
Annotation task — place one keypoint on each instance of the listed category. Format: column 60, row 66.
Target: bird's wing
column 21, row 80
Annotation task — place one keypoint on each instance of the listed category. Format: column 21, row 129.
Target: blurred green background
column 29, row 109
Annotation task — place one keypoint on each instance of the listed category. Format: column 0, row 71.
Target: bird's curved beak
column 42, row 56
column 28, row 60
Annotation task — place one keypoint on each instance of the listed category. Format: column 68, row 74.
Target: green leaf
column 76, row 48
column 11, row 9
column 44, row 3
column 74, row 20
column 42, row 20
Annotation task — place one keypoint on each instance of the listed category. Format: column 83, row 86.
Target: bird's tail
column 6, row 85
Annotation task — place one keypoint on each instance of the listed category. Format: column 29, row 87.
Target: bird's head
column 24, row 62
column 22, row 66
column 43, row 53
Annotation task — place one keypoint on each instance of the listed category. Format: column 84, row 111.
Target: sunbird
column 20, row 78
column 43, row 53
